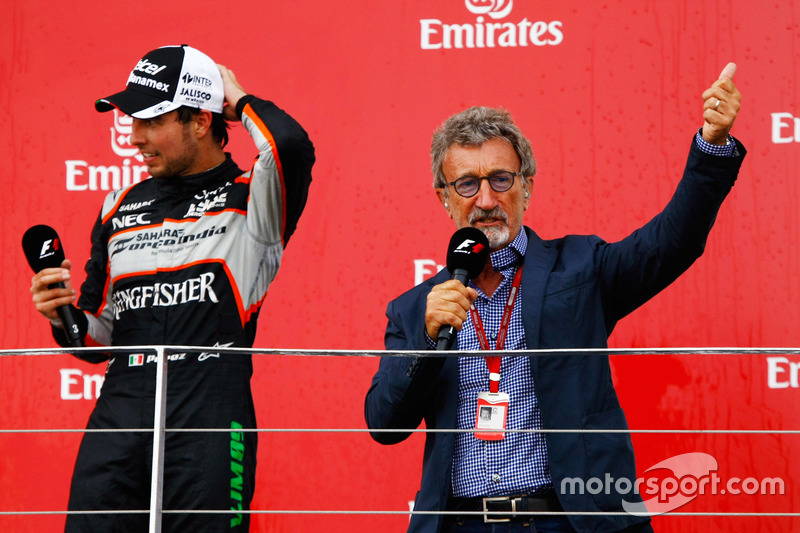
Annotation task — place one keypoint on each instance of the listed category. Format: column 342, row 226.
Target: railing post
column 159, row 432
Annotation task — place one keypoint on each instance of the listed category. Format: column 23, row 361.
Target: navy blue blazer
column 574, row 290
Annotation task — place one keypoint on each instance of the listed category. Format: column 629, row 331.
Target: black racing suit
column 185, row 261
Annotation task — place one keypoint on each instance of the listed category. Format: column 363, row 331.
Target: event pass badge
column 491, row 416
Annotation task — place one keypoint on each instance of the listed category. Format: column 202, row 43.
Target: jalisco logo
column 436, row 35
column 195, row 95
column 81, row 176
column 691, row 475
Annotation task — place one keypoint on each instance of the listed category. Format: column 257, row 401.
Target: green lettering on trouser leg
column 237, row 451
column 236, row 481
column 237, row 469
column 237, row 519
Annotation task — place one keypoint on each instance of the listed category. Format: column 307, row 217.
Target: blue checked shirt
column 517, row 464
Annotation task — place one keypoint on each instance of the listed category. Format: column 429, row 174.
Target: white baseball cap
column 166, row 79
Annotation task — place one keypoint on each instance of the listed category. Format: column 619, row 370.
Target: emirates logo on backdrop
column 485, row 32
column 496, row 9
column 121, row 136
column 116, row 174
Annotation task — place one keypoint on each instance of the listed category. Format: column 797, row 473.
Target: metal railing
column 162, row 353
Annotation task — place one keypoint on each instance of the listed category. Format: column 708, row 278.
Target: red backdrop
column 609, row 94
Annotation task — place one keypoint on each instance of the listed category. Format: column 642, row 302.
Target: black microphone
column 43, row 250
column 466, row 256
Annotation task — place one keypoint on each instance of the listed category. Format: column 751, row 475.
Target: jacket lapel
column 540, row 257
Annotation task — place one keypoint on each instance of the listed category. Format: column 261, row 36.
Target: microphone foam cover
column 42, row 248
column 468, row 250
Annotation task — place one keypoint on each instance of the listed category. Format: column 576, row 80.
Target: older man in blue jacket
column 534, row 294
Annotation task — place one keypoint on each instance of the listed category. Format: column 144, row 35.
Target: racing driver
column 182, row 258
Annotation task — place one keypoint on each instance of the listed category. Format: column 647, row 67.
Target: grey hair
column 473, row 127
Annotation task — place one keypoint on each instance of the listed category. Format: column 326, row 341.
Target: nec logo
column 49, row 247
column 129, row 221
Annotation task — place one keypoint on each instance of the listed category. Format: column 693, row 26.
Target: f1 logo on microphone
column 466, row 244
column 49, row 247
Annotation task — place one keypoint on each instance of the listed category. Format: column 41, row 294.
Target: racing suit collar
column 195, row 182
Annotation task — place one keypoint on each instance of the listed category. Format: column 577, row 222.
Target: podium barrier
column 159, row 430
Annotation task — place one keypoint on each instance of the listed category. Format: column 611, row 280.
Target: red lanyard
column 493, row 361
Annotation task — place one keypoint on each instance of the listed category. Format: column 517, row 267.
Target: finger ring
column 717, row 104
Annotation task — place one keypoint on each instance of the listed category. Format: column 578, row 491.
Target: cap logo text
column 147, row 67
column 147, row 82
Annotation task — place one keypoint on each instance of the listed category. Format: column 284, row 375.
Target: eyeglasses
column 500, row 181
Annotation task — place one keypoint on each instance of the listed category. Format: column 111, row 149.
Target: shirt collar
column 511, row 255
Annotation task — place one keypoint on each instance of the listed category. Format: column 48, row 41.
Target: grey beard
column 498, row 236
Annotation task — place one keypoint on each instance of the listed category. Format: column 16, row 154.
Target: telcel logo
column 436, row 35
